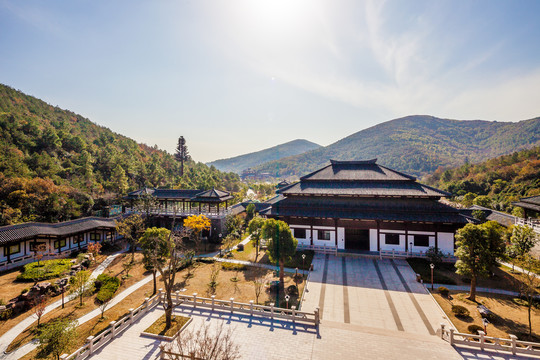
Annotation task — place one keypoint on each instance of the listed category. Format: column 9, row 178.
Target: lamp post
column 410, row 247
column 432, row 266
column 287, row 297
column 303, row 264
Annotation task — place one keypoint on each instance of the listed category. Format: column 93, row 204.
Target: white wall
column 373, row 240
column 446, row 242
column 307, row 239
column 400, row 247
column 341, row 237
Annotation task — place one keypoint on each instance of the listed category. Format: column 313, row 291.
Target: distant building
column 361, row 205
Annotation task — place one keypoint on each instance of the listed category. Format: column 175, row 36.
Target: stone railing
column 93, row 343
column 182, row 212
column 320, row 249
column 408, row 254
column 532, row 223
column 483, row 342
column 251, row 309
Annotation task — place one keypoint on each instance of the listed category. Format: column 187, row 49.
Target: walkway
column 516, row 268
column 11, row 334
column 373, row 293
column 478, row 289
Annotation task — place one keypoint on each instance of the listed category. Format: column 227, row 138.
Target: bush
column 233, row 266
column 205, row 260
column 474, row 329
column 48, row 269
column 292, row 290
column 107, row 282
column 460, row 311
column 434, row 255
column 240, row 247
column 104, row 295
column 443, row 291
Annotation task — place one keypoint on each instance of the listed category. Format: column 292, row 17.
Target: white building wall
column 341, row 237
column 303, row 241
column 446, row 243
column 373, row 240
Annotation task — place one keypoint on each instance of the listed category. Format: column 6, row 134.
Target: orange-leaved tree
column 197, row 223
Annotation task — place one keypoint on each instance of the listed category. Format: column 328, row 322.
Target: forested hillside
column 418, row 145
column 55, row 164
column 494, row 183
column 242, row 162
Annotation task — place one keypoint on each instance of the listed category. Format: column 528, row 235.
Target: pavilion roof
column 531, row 203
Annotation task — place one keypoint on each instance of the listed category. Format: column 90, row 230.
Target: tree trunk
column 530, row 325
column 472, row 295
column 168, row 311
column 281, row 273
column 155, row 285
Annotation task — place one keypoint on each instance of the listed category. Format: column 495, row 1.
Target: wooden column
column 6, row 251
column 335, row 227
column 311, row 233
column 378, row 236
column 406, row 237
column 436, row 240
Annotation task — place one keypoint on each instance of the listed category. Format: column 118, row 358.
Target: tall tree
column 281, row 243
column 57, row 336
column 523, row 239
column 165, row 252
column 182, row 153
column 131, row 228
column 254, row 229
column 478, row 249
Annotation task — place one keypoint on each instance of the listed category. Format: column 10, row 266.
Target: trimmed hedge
column 474, row 329
column 443, row 291
column 460, row 311
column 233, row 266
column 106, row 284
column 47, row 269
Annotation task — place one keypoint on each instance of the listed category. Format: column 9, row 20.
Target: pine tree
column 182, row 153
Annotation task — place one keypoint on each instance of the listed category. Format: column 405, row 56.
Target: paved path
column 262, row 339
column 11, row 334
column 371, row 292
column 516, row 268
column 478, row 289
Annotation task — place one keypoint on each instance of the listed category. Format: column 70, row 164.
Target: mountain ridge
column 241, row 162
column 418, row 145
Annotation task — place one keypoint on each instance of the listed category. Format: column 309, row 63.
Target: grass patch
column 233, row 266
column 297, row 261
column 47, row 269
column 158, row 327
column 421, row 266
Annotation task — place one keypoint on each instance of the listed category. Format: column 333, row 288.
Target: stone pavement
column 371, row 292
column 11, row 334
column 478, row 289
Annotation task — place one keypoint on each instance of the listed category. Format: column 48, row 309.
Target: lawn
column 510, row 314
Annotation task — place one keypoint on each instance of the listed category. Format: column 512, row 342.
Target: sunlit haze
column 238, row 76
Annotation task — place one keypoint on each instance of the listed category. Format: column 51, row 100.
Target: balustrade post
column 514, row 344
column 64, row 356
column 213, row 297
column 317, row 316
column 177, row 295
column 442, row 330
column 113, row 329
column 194, row 300
column 160, row 294
column 146, row 302
column 232, row 304
column 482, row 339
column 452, row 336
column 272, row 311
column 90, row 341
column 130, row 316
column 251, row 307
column 293, row 308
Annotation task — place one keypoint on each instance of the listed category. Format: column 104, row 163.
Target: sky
column 236, row 76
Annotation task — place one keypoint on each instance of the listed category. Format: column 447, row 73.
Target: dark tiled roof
column 493, row 215
column 531, row 203
column 259, row 206
column 28, row 230
column 400, row 209
column 213, row 195
column 360, row 188
column 367, row 170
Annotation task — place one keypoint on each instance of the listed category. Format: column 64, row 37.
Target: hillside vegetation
column 55, row 165
column 494, row 183
column 239, row 163
column 418, row 145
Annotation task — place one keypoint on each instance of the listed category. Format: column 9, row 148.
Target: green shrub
column 474, row 329
column 292, row 290
column 48, row 269
column 104, row 295
column 460, row 311
column 24, row 291
column 443, row 291
column 233, row 266
column 107, row 287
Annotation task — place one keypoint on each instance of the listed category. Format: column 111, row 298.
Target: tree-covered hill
column 55, row 164
column 418, row 145
column 242, row 162
column 494, row 183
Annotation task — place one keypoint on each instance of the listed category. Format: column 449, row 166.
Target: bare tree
column 530, row 282
column 214, row 273
column 39, row 307
column 259, row 282
column 204, row 343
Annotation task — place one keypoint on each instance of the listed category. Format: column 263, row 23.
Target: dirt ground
column 510, row 315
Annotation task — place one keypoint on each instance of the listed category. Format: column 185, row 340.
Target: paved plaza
column 371, row 309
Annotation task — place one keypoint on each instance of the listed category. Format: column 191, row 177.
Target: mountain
column 56, row 165
column 242, row 162
column 418, row 145
column 498, row 181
